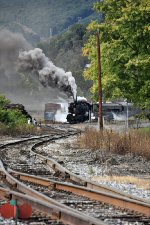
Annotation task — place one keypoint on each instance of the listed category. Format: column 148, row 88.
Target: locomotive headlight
column 73, row 114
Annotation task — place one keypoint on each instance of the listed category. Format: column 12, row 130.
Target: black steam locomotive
column 78, row 111
column 81, row 111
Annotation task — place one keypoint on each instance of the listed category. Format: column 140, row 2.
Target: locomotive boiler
column 79, row 111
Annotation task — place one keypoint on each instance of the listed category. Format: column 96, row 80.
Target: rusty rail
column 58, row 213
column 113, row 199
column 35, row 194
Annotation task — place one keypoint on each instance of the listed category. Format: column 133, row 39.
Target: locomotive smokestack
column 75, row 98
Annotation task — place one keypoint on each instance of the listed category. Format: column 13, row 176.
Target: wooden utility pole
column 100, row 116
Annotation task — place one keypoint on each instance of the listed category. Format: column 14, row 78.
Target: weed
column 134, row 142
column 91, row 170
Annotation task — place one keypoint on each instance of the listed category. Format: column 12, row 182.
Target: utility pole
column 127, row 119
column 100, row 116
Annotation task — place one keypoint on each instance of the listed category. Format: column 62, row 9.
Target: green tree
column 124, row 49
column 3, row 101
column 12, row 117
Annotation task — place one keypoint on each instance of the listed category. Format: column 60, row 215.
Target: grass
column 19, row 130
column 144, row 129
column 26, row 129
column 135, row 142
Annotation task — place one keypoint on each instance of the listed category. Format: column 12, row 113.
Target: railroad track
column 55, row 190
column 76, row 202
column 98, row 192
column 52, row 208
column 51, row 212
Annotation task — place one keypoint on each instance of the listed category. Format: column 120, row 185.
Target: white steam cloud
column 61, row 113
column 49, row 75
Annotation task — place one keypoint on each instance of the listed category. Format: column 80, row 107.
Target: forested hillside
column 65, row 51
column 37, row 19
column 56, row 26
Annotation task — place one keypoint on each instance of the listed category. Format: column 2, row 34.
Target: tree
column 124, row 49
column 11, row 118
column 3, row 101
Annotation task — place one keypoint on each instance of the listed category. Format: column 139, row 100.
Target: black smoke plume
column 35, row 62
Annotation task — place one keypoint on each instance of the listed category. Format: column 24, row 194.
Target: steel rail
column 57, row 167
column 59, row 213
column 113, row 199
column 25, row 189
column 35, row 194
column 50, row 138
column 22, row 141
column 85, row 182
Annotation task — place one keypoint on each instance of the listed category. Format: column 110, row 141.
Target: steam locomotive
column 81, row 111
column 78, row 112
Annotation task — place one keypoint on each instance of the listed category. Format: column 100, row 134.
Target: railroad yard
column 67, row 185
column 74, row 112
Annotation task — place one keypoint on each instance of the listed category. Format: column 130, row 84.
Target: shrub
column 3, row 129
column 12, row 118
column 3, row 101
